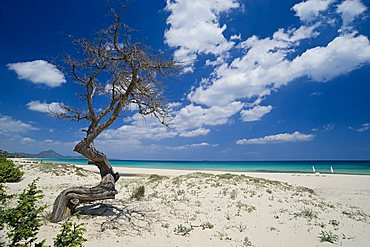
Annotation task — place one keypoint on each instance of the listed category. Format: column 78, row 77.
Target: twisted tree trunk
column 69, row 199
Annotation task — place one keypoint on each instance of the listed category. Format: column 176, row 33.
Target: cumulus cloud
column 255, row 114
column 342, row 55
column 364, row 127
column 192, row 116
column 27, row 140
column 308, row 10
column 261, row 66
column 137, row 130
column 194, row 28
column 279, row 138
column 189, row 121
column 350, row 10
column 38, row 72
column 296, row 34
column 266, row 66
column 9, row 126
column 196, row 132
column 49, row 108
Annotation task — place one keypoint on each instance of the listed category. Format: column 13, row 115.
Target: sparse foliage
column 207, row 225
column 182, row 230
column 138, row 192
column 328, row 237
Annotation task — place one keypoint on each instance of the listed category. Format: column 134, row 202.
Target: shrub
column 3, row 200
column 182, row 230
column 8, row 171
column 328, row 237
column 207, row 225
column 71, row 235
column 24, row 220
column 138, row 192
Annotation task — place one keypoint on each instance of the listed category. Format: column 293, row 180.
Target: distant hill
column 51, row 154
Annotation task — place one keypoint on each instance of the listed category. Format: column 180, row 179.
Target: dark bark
column 67, row 201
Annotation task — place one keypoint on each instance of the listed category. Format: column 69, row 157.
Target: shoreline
column 213, row 170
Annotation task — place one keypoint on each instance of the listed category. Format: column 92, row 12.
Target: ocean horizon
column 358, row 167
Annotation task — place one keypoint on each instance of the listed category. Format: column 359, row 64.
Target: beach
column 212, row 208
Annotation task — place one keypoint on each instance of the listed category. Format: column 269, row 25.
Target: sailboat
column 331, row 169
column 314, row 171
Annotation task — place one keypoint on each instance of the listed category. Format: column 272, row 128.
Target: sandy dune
column 187, row 208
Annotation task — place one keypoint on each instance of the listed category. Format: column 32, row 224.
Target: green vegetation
column 156, row 177
column 247, row 242
column 328, row 237
column 71, row 235
column 356, row 214
column 9, row 172
column 138, row 192
column 60, row 169
column 307, row 213
column 335, row 224
column 24, row 219
column 182, row 230
column 207, row 225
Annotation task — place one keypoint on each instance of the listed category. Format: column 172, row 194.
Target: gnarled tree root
column 67, row 201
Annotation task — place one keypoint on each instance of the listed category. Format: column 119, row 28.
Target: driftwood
column 67, row 201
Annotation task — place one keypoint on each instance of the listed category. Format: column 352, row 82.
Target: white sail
column 331, row 169
column 313, row 169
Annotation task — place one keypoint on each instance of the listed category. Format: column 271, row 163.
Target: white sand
column 215, row 210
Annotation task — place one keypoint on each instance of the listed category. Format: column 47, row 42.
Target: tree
column 124, row 72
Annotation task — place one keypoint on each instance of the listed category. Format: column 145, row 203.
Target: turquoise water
column 339, row 167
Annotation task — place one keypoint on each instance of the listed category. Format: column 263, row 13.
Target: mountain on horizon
column 51, row 154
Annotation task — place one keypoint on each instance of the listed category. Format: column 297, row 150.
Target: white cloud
column 342, row 55
column 328, row 126
column 279, row 138
column 364, row 127
column 202, row 144
column 196, row 132
column 265, row 66
column 27, row 140
column 308, row 10
column 192, row 116
column 194, row 28
column 296, row 34
column 9, row 126
column 139, row 129
column 350, row 10
column 189, row 146
column 236, row 37
column 255, row 114
column 38, row 72
column 50, row 108
column 189, row 121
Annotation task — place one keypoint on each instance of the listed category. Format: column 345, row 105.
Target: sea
column 322, row 167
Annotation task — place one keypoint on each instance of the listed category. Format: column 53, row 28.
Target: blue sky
column 261, row 80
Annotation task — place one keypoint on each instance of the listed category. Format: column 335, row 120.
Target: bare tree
column 126, row 74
